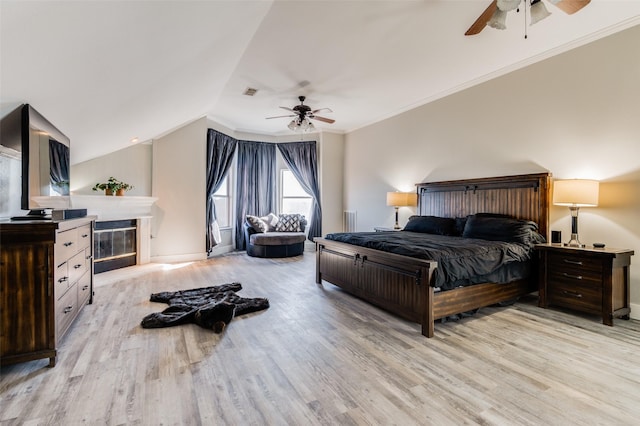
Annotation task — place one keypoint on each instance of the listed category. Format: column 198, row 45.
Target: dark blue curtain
column 301, row 158
column 220, row 150
column 256, row 183
column 59, row 167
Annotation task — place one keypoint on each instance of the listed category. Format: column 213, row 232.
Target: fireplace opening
column 114, row 244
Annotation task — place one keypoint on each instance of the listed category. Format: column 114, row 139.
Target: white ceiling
column 105, row 72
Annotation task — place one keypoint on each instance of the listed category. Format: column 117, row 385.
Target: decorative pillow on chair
column 257, row 223
column 271, row 220
column 288, row 223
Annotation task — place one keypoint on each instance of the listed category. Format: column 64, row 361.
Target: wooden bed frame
column 401, row 284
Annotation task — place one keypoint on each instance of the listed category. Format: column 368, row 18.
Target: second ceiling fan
column 495, row 14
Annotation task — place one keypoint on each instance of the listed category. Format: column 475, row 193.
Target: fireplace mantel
column 103, row 206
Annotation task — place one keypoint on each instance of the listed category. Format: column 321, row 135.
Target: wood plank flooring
column 319, row 356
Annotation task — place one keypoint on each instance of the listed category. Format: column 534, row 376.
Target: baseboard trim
column 635, row 311
column 191, row 257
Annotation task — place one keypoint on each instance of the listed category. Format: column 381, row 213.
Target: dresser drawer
column 84, row 289
column 66, row 245
column 586, row 298
column 61, row 279
column 77, row 266
column 66, row 310
column 84, row 236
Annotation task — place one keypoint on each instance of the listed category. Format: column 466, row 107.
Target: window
column 293, row 197
column 222, row 202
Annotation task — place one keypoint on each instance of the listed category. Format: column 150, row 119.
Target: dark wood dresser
column 592, row 280
column 46, row 272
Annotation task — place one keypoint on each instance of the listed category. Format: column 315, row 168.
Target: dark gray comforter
column 461, row 261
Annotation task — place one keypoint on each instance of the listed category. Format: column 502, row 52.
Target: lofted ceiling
column 107, row 71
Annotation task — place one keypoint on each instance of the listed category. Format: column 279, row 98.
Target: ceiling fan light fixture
column 302, row 126
column 498, row 20
column 538, row 11
column 306, row 125
column 507, row 5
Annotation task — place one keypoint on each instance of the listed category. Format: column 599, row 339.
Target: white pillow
column 271, row 220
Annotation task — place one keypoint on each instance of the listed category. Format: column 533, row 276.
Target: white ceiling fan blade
column 326, row 120
column 279, row 116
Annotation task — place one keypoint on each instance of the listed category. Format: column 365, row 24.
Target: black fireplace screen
column 114, row 244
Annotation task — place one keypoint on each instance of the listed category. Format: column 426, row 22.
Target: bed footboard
column 398, row 284
column 401, row 284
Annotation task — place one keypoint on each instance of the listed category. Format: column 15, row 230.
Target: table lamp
column 575, row 193
column 401, row 199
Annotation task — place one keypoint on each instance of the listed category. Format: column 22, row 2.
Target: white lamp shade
column 538, row 12
column 401, row 199
column 576, row 192
column 498, row 20
column 507, row 5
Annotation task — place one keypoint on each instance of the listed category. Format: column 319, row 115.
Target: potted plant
column 113, row 186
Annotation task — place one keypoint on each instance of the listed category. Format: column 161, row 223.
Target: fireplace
column 115, row 244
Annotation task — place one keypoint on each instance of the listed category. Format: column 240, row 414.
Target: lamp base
column 574, row 242
column 396, row 226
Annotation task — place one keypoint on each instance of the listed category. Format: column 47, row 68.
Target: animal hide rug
column 209, row 307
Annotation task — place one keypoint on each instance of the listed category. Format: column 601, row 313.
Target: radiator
column 349, row 221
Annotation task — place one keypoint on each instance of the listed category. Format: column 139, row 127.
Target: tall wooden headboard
column 520, row 196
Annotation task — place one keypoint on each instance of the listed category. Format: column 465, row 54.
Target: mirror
column 45, row 159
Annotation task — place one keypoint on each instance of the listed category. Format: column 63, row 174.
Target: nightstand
column 592, row 280
column 384, row 229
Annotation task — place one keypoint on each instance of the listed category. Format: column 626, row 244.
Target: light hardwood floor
column 320, row 356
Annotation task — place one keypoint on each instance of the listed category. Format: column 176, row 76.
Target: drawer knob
column 68, row 243
column 68, row 309
column 85, row 235
column 63, row 279
column 575, row 277
column 84, row 288
column 77, row 266
column 572, row 262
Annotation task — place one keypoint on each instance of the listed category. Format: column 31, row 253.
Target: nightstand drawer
column 584, row 298
column 576, row 266
column 575, row 277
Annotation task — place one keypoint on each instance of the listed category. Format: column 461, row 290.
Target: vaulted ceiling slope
column 106, row 72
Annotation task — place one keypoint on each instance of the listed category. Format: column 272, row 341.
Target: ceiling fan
column 302, row 114
column 495, row 14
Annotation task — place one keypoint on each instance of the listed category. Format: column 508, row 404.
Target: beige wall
column 331, row 158
column 131, row 165
column 179, row 169
column 575, row 115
